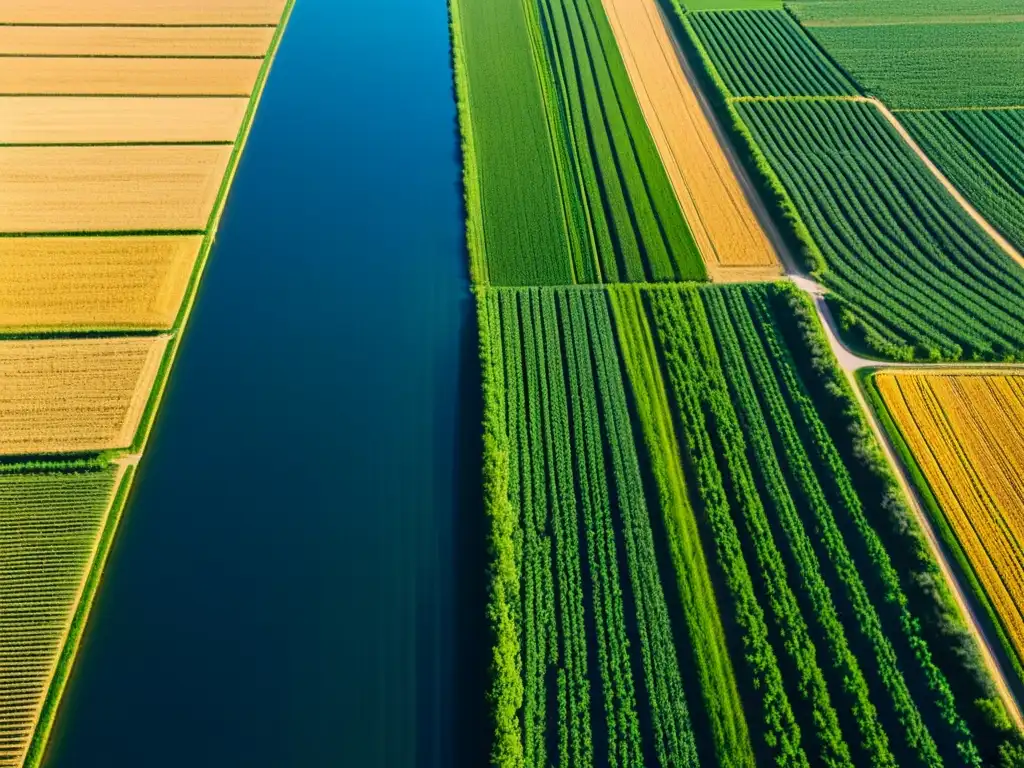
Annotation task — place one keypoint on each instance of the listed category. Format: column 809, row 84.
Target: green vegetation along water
column 298, row 578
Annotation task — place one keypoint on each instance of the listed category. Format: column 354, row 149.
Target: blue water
column 297, row 579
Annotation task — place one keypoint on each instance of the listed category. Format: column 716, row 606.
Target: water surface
column 297, row 578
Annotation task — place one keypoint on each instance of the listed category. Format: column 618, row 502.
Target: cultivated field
column 97, row 189
column 197, row 12
column 724, row 226
column 94, row 282
column 760, row 515
column 66, row 76
column 766, row 53
column 99, row 120
column 963, row 432
column 50, row 525
column 982, row 153
column 877, row 12
column 910, row 270
column 936, row 66
column 601, row 208
column 75, row 395
column 135, row 41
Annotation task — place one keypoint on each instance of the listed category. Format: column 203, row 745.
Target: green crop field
column 913, row 274
column 565, row 184
column 730, row 5
column 982, row 153
column 516, row 226
column 939, row 66
column 839, row 12
column 50, row 526
column 687, row 538
column 766, row 53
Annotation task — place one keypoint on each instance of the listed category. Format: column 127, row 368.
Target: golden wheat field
column 101, row 120
column 96, row 189
column 75, row 395
column 94, row 282
column 141, row 11
column 964, row 431
column 135, row 41
column 50, row 527
column 727, row 232
column 71, row 76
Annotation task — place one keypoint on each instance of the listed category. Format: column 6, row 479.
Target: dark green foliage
column 766, row 53
column 910, row 271
column 982, row 153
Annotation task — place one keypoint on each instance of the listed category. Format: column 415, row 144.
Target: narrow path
column 850, row 362
column 971, row 211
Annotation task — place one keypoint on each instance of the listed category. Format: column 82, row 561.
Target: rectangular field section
column 75, row 395
column 964, row 433
column 766, row 53
column 913, row 274
column 104, row 189
column 170, row 12
column 50, row 526
column 724, row 227
column 94, row 283
column 135, row 41
column 70, row 75
column 100, row 120
column 982, row 152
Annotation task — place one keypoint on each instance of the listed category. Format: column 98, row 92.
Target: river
column 298, row 579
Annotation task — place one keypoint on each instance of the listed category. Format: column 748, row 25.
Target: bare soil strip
column 109, row 189
column 68, row 76
column 135, row 41
column 719, row 214
column 77, row 283
column 118, row 120
column 196, row 12
column 77, row 395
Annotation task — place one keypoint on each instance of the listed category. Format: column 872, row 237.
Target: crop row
column 766, row 53
column 49, row 524
column 843, row 674
column 982, row 153
column 568, row 514
column 910, row 270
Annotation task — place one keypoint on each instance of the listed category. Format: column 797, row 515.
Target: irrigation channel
column 298, row 578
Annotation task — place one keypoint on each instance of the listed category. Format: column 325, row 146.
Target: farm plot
column 982, row 153
column 107, row 189
column 877, row 12
column 135, row 41
column 50, row 526
column 94, row 283
column 156, row 12
column 622, row 196
column 70, row 75
column 963, row 435
column 516, row 228
column 724, row 226
column 98, row 120
column 935, row 66
column 585, row 665
column 913, row 275
column 75, row 395
column 766, row 53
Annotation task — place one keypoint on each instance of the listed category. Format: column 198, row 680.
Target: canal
column 298, row 579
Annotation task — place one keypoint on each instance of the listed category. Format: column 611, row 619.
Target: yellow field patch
column 100, row 120
column 964, row 431
column 51, row 283
column 96, row 189
column 719, row 214
column 141, row 11
column 75, row 395
column 70, row 76
column 136, row 41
